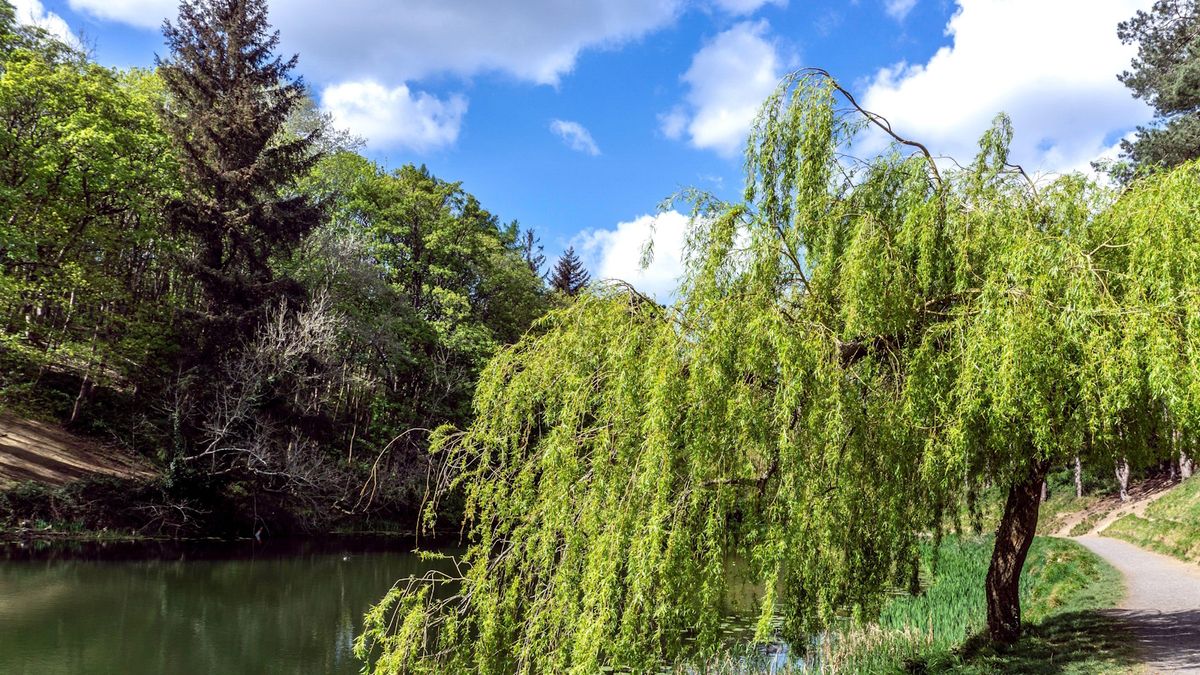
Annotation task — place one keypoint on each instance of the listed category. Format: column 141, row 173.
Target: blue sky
column 577, row 117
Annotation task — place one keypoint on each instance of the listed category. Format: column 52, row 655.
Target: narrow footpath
column 1161, row 605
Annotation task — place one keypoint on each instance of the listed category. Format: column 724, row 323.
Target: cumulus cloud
column 740, row 7
column 575, row 136
column 898, row 9
column 533, row 40
column 1058, row 85
column 727, row 82
column 395, row 117
column 617, row 253
column 32, row 12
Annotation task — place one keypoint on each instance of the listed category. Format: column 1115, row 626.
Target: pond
column 279, row 607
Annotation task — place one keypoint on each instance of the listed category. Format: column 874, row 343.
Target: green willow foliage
column 855, row 350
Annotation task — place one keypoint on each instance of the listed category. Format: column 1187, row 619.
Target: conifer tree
column 569, row 275
column 1165, row 74
column 531, row 251
column 230, row 100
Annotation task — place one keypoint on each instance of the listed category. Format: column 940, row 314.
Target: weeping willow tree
column 856, row 350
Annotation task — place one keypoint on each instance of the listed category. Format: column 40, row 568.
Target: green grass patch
column 1181, row 504
column 1062, row 506
column 1171, row 525
column 1084, row 526
column 939, row 631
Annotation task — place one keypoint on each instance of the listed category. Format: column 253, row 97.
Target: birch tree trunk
column 1078, row 478
column 1123, row 478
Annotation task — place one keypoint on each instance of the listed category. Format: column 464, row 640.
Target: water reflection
column 275, row 608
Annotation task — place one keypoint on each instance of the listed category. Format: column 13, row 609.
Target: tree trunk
column 1078, row 478
column 1123, row 478
column 85, row 389
column 1045, row 492
column 1013, row 538
column 1177, row 446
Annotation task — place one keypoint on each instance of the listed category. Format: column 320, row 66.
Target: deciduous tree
column 857, row 347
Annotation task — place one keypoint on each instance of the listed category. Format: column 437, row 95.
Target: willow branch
column 881, row 122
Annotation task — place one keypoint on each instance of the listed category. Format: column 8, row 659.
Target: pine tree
column 569, row 275
column 230, row 100
column 1165, row 74
column 531, row 251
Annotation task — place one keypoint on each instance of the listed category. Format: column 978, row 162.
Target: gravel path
column 1161, row 605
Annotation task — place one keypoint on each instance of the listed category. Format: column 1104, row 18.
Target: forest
column 866, row 357
column 200, row 268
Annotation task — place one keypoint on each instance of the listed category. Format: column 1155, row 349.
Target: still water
column 234, row 608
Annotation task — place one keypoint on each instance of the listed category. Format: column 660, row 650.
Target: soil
column 48, row 454
column 1111, row 508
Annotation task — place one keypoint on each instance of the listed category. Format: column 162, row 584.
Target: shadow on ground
column 1170, row 639
column 1072, row 642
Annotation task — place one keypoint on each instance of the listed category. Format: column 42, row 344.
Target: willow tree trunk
column 1013, row 538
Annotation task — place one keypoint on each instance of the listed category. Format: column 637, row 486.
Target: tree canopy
column 1165, row 74
column 84, row 166
column 857, row 349
column 231, row 98
column 196, row 265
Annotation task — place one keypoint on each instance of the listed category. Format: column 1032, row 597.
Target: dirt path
column 1161, row 605
column 47, row 454
column 1110, row 509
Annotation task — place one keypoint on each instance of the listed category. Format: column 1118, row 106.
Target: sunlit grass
column 1171, row 525
column 940, row 630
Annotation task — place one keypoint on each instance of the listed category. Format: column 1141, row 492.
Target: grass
column 1171, row 525
column 940, row 630
column 1084, row 526
column 1062, row 505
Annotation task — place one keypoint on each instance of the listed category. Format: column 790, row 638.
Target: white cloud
column 727, row 82
column 395, row 117
column 1058, row 85
column 617, row 253
column 575, row 136
column 533, row 40
column 32, row 12
column 674, row 123
column 740, row 7
column 143, row 13
column 898, row 9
